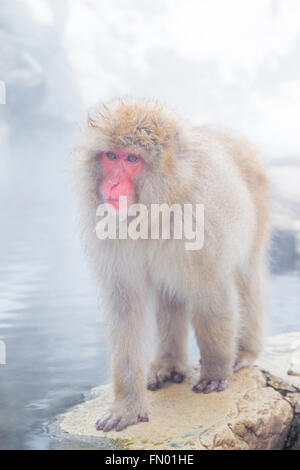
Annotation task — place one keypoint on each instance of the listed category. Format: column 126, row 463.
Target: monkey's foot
column 174, row 376
column 208, row 386
column 161, row 373
column 119, row 422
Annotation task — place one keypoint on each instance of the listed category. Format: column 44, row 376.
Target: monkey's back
column 234, row 190
column 250, row 167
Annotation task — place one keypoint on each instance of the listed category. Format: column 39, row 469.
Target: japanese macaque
column 141, row 151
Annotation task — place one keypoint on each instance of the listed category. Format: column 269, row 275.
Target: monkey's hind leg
column 215, row 323
column 171, row 358
column 250, row 339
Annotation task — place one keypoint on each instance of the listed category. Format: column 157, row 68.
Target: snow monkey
column 141, row 151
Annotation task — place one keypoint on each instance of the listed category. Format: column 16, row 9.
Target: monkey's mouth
column 116, row 203
column 113, row 202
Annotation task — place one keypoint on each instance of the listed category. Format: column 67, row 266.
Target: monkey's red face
column 120, row 170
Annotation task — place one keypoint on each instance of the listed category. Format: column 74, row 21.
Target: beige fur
column 218, row 289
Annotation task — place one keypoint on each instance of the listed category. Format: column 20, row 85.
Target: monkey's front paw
column 119, row 421
column 163, row 372
column 208, row 386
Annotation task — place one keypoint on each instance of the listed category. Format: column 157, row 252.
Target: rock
column 251, row 414
column 281, row 355
column 259, row 410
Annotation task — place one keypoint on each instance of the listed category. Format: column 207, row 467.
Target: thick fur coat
column 219, row 289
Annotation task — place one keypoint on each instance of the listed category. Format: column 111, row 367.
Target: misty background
column 233, row 63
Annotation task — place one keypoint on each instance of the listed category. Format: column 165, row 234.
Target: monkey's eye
column 111, row 155
column 132, row 158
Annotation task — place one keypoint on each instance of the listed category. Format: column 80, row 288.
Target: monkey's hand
column 119, row 418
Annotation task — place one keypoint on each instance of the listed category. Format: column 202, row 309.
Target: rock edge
column 257, row 411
